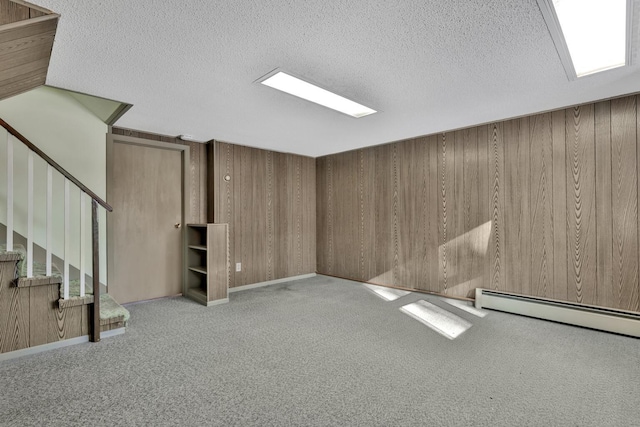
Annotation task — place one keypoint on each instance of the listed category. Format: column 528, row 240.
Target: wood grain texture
column 321, row 213
column 446, row 186
column 199, row 159
column 581, row 203
column 383, row 240
column 217, row 261
column 635, row 298
column 483, row 230
column 30, row 316
column 43, row 306
column 69, row 322
column 624, row 202
column 541, row 207
column 497, row 240
column 25, row 48
column 544, row 205
column 14, row 310
column 269, row 204
column 604, row 218
column 560, row 222
column 431, row 214
column 144, row 186
column 12, row 12
column 308, row 214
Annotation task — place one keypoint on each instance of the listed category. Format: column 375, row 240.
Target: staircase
column 39, row 304
column 33, row 311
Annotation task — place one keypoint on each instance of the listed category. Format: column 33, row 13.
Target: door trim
column 185, row 186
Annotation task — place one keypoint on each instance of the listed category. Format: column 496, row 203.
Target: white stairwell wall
column 75, row 138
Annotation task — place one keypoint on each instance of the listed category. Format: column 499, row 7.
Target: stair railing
column 95, row 201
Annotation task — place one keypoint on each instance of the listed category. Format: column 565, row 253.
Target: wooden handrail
column 56, row 166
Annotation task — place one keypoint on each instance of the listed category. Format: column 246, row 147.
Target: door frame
column 185, row 187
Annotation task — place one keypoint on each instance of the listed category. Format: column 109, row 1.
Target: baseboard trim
column 271, row 282
column 217, row 302
column 42, row 348
column 56, row 345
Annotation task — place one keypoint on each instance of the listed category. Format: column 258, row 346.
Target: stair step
column 110, row 309
column 10, row 256
column 75, row 301
column 111, row 313
column 24, row 282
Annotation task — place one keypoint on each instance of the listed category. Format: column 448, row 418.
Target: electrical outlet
column 238, row 266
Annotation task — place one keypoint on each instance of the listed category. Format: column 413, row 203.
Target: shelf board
column 197, row 294
column 198, row 247
column 201, row 270
column 197, row 225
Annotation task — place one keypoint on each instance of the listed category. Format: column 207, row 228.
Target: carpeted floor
column 323, row 352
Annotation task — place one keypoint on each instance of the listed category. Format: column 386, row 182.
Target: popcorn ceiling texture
column 189, row 66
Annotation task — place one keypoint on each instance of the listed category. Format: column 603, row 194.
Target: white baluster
column 30, row 214
column 83, row 240
column 67, row 252
column 49, row 218
column 9, row 193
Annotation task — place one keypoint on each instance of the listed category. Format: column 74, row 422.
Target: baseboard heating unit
column 588, row 316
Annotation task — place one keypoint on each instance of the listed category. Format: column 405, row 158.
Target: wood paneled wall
column 30, row 316
column 270, row 206
column 26, row 40
column 11, row 11
column 197, row 211
column 545, row 205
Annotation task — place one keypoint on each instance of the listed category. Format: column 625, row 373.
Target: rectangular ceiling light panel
column 296, row 87
column 594, row 32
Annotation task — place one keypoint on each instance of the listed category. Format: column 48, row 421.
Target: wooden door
column 145, row 238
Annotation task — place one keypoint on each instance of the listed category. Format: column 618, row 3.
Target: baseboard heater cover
column 604, row 319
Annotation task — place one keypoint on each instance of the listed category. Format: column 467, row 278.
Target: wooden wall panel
column 270, row 206
column 12, row 12
column 560, row 222
column 14, row 311
column 198, row 161
column 308, row 214
column 540, row 207
column 30, row 316
column 26, row 41
column 383, row 240
column 321, row 195
column 544, row 205
column 431, row 213
column 497, row 240
column 581, row 203
column 514, row 260
column 446, row 189
column 624, row 196
column 604, row 232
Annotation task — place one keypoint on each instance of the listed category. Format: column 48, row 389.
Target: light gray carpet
column 322, row 352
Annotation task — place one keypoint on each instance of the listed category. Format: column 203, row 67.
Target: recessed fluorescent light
column 594, row 34
column 300, row 88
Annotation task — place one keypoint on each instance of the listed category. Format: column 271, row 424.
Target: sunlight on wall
column 471, row 246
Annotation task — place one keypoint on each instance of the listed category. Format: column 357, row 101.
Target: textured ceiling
column 189, row 66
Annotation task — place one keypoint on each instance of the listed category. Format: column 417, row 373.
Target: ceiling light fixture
column 297, row 87
column 590, row 35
